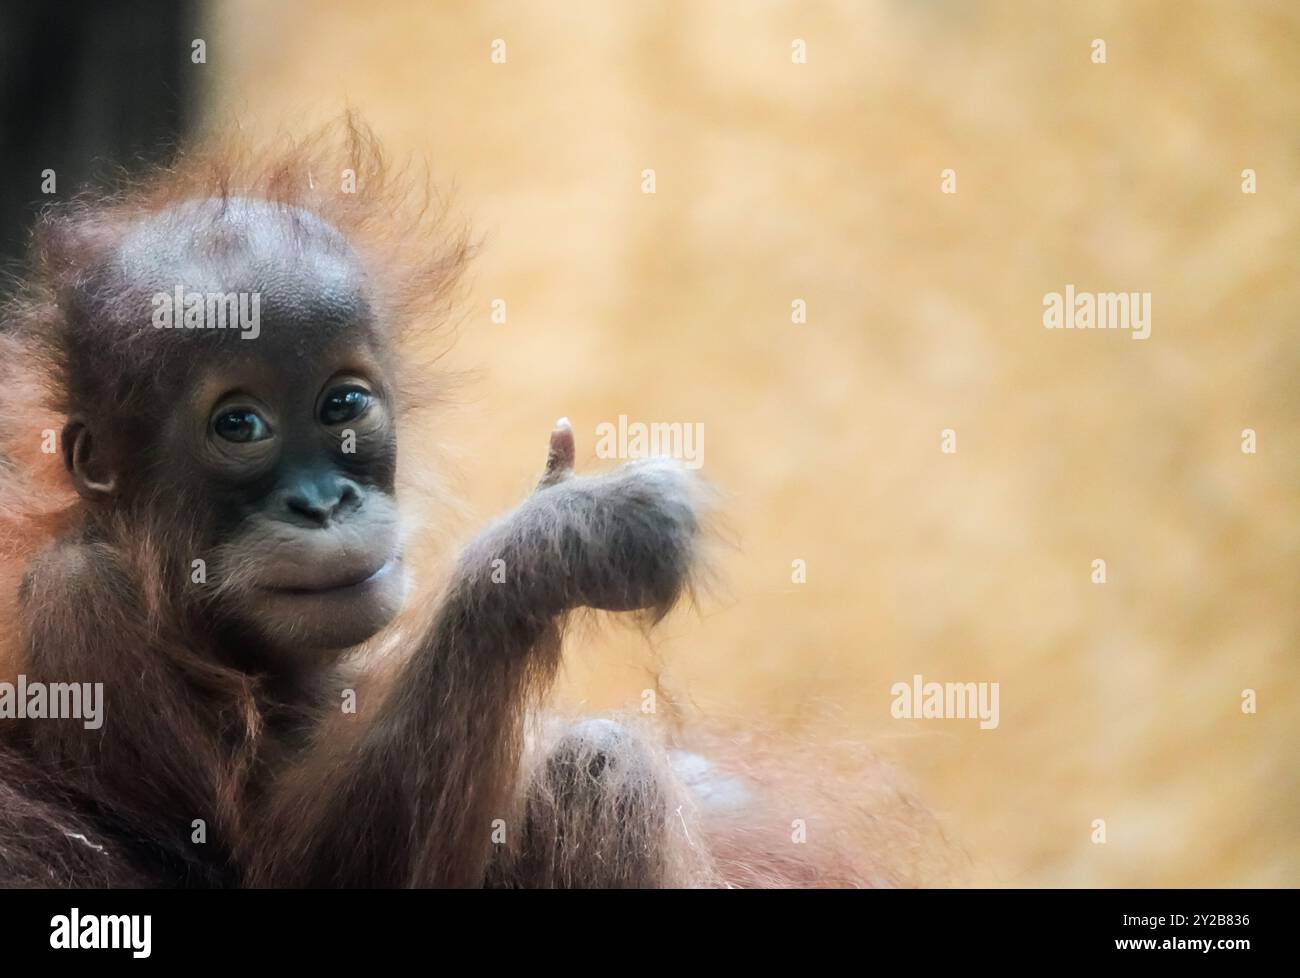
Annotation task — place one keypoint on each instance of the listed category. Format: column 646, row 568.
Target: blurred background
column 821, row 181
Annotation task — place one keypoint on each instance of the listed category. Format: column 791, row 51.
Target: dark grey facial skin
column 278, row 430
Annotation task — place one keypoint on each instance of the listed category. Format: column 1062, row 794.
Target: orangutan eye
column 344, row 404
column 241, row 424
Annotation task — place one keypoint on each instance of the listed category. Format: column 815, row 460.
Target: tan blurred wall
column 822, row 181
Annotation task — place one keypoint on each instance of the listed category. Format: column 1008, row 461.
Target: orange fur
column 860, row 830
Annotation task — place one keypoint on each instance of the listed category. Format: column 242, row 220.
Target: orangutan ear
column 90, row 476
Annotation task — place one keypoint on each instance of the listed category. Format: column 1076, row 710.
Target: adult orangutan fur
column 224, row 758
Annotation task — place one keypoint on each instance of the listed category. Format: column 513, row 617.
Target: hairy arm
column 410, row 797
column 173, row 735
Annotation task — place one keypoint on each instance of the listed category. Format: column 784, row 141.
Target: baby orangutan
column 226, row 352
